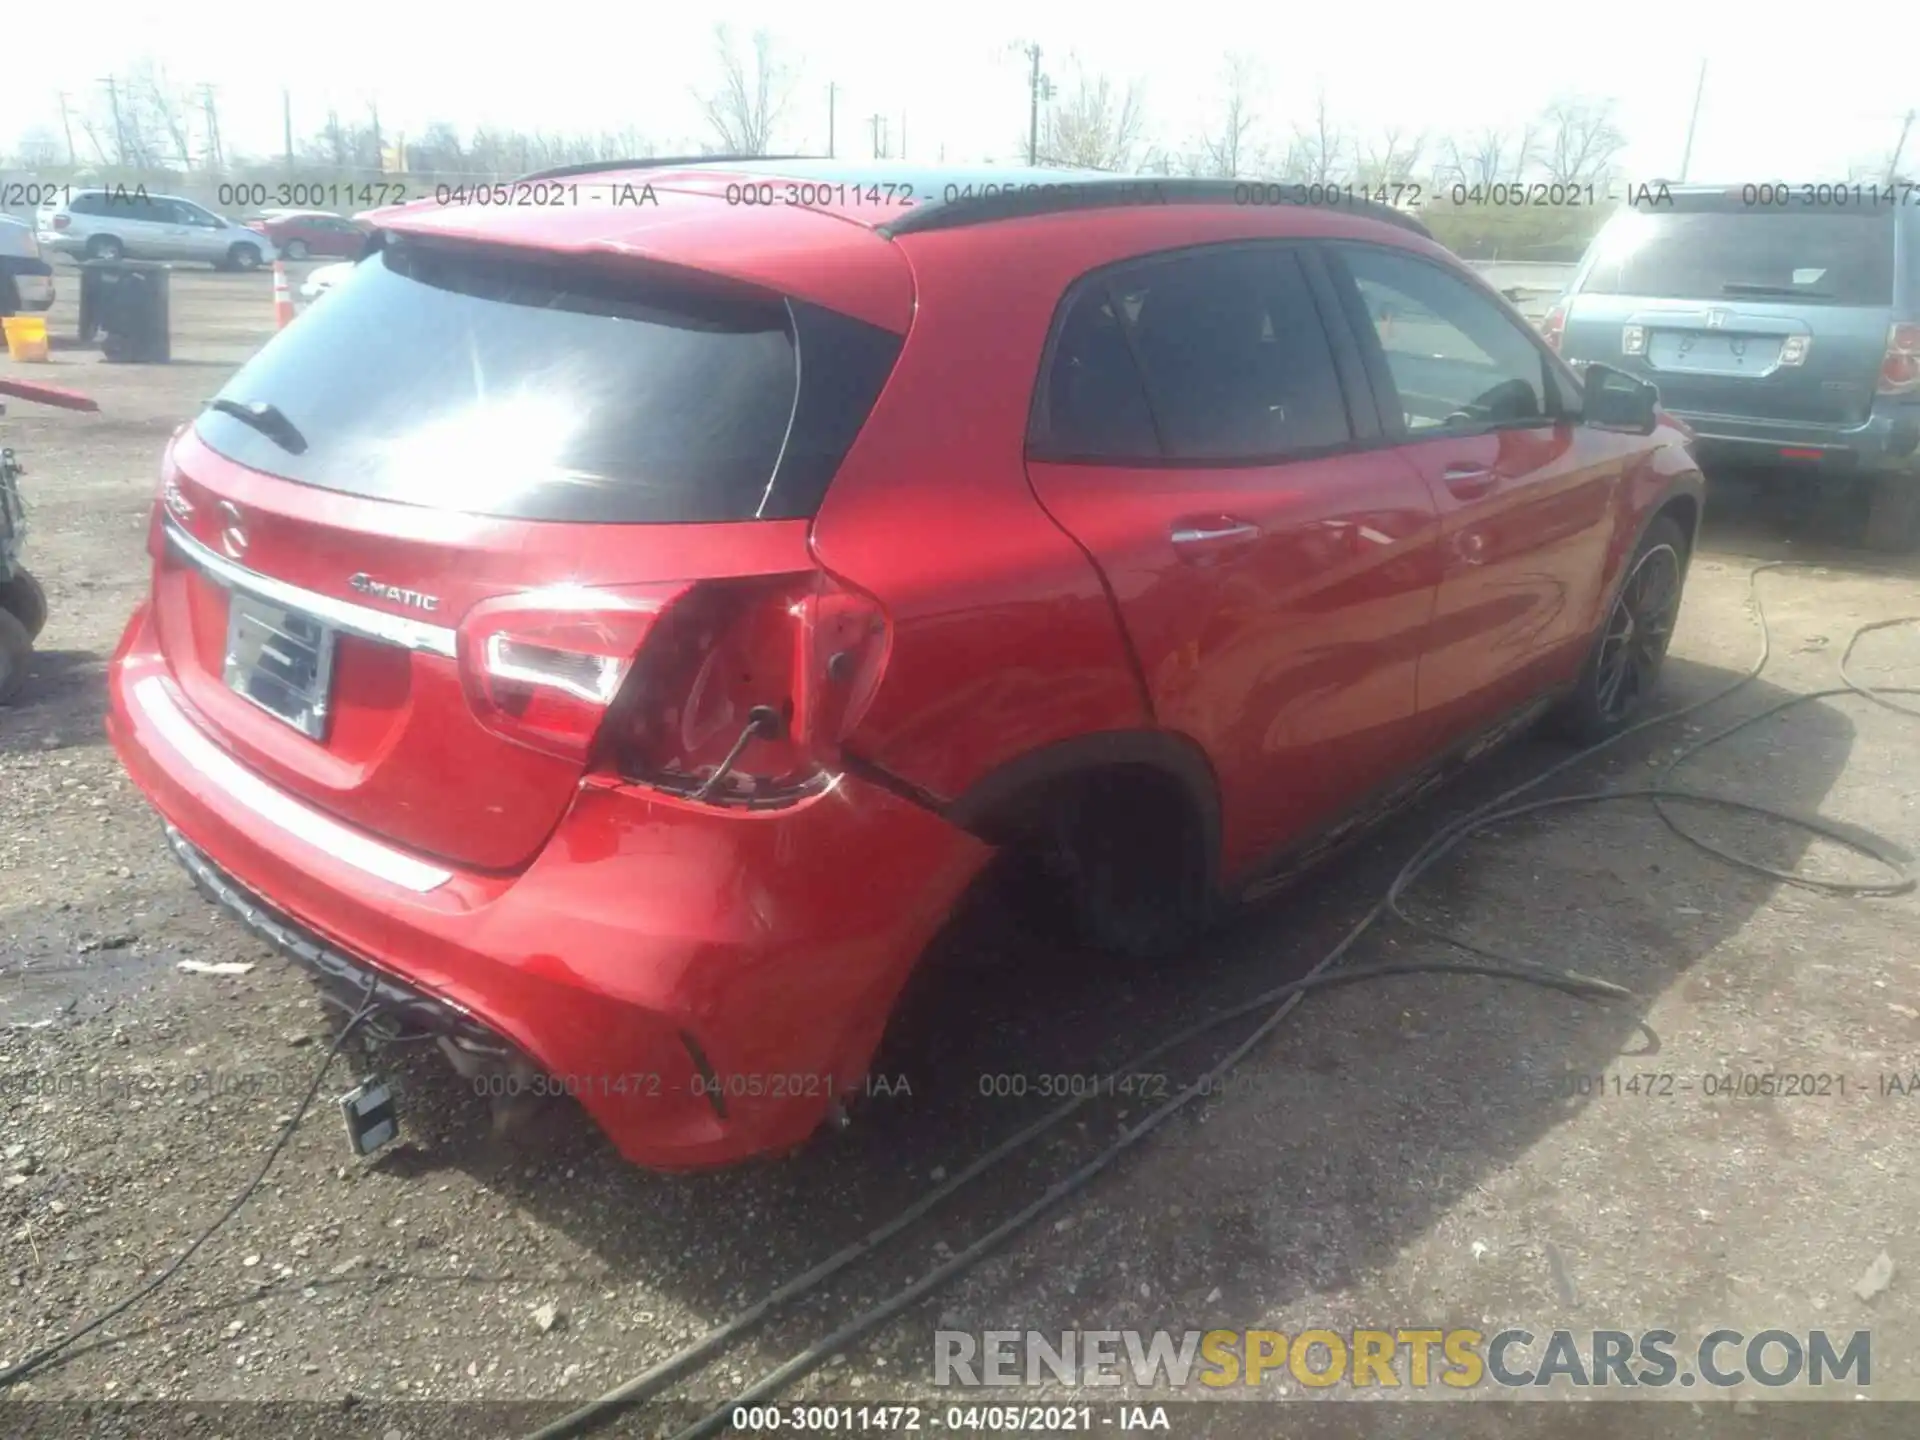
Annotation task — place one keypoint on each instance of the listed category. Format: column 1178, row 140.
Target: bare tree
column 344, row 145
column 1580, row 141
column 1487, row 156
column 745, row 109
column 1392, row 157
column 1318, row 149
column 1097, row 127
column 163, row 113
column 1228, row 149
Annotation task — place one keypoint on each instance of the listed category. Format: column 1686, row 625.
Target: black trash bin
column 125, row 303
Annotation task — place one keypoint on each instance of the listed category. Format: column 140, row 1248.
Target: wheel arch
column 994, row 806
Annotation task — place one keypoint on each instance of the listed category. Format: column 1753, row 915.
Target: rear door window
column 1207, row 356
column 494, row 384
column 1815, row 257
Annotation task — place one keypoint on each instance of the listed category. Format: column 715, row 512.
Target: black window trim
column 1359, row 406
column 1562, row 386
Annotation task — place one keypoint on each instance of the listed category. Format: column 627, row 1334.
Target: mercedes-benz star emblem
column 233, row 534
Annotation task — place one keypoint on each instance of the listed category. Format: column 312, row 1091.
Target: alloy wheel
column 1637, row 633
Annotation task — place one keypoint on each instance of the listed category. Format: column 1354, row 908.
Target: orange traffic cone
column 282, row 298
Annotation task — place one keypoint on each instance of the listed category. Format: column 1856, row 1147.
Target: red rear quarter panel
column 1004, row 637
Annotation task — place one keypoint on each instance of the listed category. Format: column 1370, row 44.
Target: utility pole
column 874, row 122
column 1039, row 88
column 1893, row 165
column 214, row 159
column 66, row 125
column 286, row 124
column 119, row 130
column 379, row 141
column 831, row 89
column 1699, row 89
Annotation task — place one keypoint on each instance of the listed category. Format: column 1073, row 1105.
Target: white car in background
column 111, row 224
column 26, row 279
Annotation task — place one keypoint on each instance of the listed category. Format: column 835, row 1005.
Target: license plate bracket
column 282, row 661
column 1707, row 353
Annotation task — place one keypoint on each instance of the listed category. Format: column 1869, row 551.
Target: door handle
column 1205, row 535
column 1468, row 482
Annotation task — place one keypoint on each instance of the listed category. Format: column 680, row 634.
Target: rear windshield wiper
column 1754, row 287
column 270, row 420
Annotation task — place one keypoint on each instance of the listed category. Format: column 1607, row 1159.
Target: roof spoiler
column 653, row 162
column 1047, row 198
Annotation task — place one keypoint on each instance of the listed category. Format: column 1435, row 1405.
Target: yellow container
column 26, row 337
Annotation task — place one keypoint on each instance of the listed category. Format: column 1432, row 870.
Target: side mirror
column 1614, row 400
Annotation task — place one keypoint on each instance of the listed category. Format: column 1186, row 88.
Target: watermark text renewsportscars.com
column 1408, row 1357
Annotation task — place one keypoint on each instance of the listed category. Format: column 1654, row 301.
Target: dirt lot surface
column 1429, row 1151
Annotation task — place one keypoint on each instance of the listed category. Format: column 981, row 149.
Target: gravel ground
column 1418, row 1152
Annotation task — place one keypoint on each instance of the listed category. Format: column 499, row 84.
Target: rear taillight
column 745, row 688
column 1900, row 367
column 1554, row 326
column 542, row 668
column 167, row 496
column 62, row 222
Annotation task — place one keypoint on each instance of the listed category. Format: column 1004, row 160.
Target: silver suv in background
column 112, row 223
column 1781, row 323
column 26, row 280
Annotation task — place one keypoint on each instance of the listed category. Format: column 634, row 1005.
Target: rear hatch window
column 497, row 384
column 1815, row 257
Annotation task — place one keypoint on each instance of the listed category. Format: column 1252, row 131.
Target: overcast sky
column 1792, row 92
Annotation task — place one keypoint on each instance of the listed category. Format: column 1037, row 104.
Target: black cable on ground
column 1287, row 996
column 20, row 1369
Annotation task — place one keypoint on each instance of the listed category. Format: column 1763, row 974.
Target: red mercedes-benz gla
column 619, row 631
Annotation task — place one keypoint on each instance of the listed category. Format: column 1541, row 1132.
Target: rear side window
column 1209, row 356
column 497, row 385
column 1817, row 257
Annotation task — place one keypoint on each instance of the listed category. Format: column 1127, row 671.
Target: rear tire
column 1118, row 867
column 105, row 247
column 16, row 650
column 243, row 258
column 23, row 598
column 1892, row 521
column 296, row 250
column 1623, row 667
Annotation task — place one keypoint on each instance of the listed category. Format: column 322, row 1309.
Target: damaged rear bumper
column 705, row 982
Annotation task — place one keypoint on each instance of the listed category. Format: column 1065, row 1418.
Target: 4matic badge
column 367, row 585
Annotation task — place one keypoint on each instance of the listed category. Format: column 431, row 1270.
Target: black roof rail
column 1047, row 198
column 652, row 162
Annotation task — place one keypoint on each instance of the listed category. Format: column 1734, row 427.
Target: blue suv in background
column 1781, row 324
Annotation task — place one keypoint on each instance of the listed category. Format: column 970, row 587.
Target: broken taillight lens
column 745, row 688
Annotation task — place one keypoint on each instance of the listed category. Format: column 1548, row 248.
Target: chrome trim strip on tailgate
column 340, row 614
column 326, row 835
